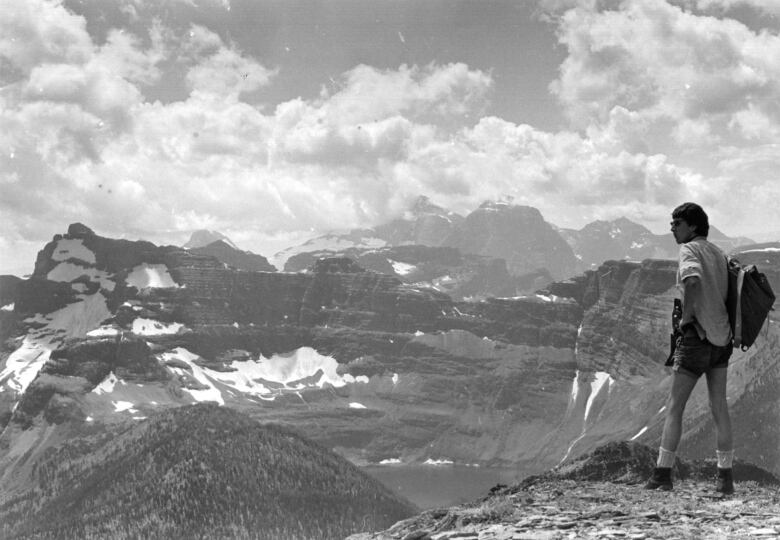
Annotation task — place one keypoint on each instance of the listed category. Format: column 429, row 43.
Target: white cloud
column 653, row 79
column 37, row 32
column 666, row 106
column 222, row 72
column 696, row 67
column 368, row 93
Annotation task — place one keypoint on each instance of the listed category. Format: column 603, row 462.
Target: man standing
column 705, row 348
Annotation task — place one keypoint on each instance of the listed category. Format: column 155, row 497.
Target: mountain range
column 495, row 235
column 106, row 334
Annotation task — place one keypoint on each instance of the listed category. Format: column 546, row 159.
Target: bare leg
column 716, row 387
column 682, row 386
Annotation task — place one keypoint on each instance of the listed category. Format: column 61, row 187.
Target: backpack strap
column 738, row 316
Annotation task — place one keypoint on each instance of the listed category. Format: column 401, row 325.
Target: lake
column 434, row 486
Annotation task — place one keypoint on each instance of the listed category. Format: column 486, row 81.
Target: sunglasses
column 676, row 222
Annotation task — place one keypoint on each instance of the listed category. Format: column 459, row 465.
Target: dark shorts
column 695, row 356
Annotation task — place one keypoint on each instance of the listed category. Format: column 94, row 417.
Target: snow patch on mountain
column 401, row 268
column 24, row 363
column 150, row 276
column 599, row 380
column 210, row 392
column 762, row 250
column 438, row 462
column 265, row 378
column 73, row 249
column 121, row 406
column 68, row 272
column 597, row 384
column 328, row 242
column 8, row 307
column 641, row 431
column 107, row 385
column 103, row 331
column 74, row 320
column 150, row 327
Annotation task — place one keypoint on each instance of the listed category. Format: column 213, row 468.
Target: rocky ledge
column 602, row 496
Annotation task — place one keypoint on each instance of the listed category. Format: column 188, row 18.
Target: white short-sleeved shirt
column 702, row 258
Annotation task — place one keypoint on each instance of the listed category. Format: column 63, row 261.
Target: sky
column 271, row 121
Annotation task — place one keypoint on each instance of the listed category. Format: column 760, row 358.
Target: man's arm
column 691, row 287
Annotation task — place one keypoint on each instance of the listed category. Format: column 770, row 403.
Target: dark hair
column 695, row 216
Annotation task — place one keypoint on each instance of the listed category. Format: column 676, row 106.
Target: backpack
column 749, row 301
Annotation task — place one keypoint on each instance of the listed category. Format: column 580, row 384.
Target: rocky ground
column 565, row 504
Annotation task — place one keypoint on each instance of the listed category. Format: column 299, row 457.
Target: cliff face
column 621, row 386
column 111, row 331
column 517, row 233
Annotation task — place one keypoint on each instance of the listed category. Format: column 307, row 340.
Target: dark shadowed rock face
column 79, row 230
column 9, row 289
column 9, row 297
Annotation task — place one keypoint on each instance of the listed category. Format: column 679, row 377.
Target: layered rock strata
column 112, row 330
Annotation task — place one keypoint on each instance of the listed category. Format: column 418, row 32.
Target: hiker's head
column 689, row 216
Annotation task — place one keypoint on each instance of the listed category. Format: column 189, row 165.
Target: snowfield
column 150, row 276
column 150, row 327
column 68, row 272
column 73, row 249
column 265, row 378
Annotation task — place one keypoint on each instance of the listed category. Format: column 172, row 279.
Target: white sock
column 665, row 458
column 725, row 457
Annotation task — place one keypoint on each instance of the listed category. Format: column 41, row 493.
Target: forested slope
column 197, row 472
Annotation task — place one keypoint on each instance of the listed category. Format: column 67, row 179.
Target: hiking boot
column 725, row 482
column 661, row 479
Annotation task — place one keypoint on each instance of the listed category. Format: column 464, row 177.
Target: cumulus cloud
column 697, row 66
column 657, row 79
column 212, row 160
column 665, row 105
column 38, row 32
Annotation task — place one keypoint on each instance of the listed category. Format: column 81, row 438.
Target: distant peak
column 423, row 205
column 203, row 237
column 79, row 229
